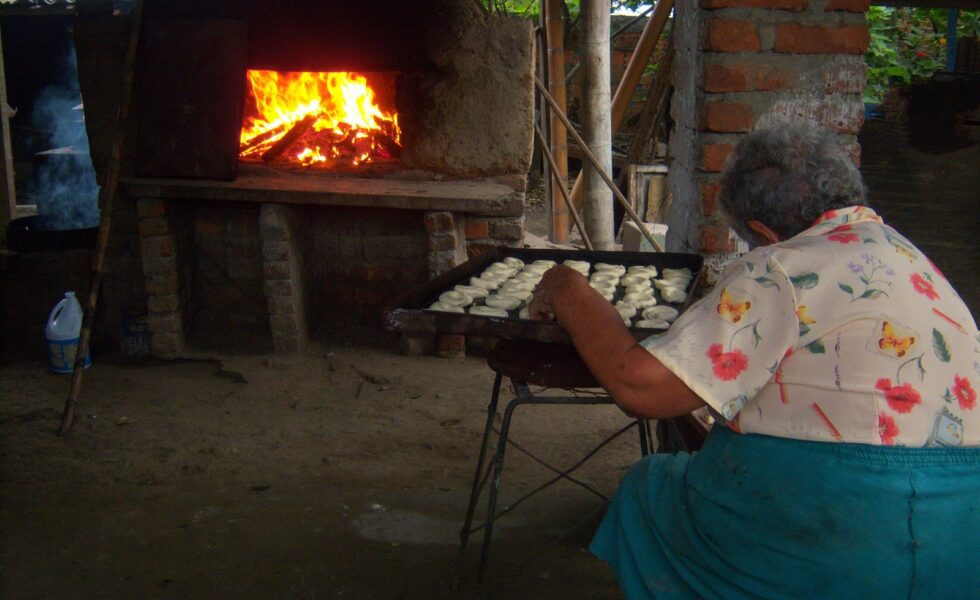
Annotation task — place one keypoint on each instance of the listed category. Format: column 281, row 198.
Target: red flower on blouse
column 964, row 393
column 727, row 365
column 838, row 234
column 887, row 429
column 923, row 286
column 935, row 268
column 900, row 398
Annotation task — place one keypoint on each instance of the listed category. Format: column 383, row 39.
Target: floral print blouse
column 846, row 333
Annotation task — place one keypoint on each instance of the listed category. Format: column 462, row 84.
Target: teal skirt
column 754, row 516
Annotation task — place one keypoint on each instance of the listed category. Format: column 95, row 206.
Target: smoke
column 65, row 189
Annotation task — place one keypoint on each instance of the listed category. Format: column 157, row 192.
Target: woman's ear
column 766, row 235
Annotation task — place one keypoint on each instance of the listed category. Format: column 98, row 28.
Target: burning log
column 261, row 138
column 297, row 131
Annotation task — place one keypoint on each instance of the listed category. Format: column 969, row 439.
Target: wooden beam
column 634, row 70
column 557, row 135
column 256, row 184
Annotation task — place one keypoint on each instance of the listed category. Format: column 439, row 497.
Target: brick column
column 283, row 266
column 166, row 298
column 743, row 64
column 447, row 249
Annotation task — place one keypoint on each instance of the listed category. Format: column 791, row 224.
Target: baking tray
column 409, row 313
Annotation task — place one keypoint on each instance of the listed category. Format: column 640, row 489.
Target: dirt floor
column 343, row 472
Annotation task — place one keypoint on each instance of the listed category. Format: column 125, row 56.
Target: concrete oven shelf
column 470, row 196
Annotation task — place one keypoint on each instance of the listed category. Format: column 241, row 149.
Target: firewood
column 297, row 131
column 262, row 137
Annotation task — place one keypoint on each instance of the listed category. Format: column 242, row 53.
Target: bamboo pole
column 558, row 136
column 552, row 168
column 596, row 127
column 605, row 176
column 634, row 70
column 8, row 193
column 109, row 200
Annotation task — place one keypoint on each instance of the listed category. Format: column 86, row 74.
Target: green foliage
column 908, row 45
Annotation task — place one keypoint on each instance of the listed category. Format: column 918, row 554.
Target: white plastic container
column 62, row 333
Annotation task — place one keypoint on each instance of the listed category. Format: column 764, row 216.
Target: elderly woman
column 841, row 367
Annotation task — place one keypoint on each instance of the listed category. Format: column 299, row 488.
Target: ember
column 316, row 119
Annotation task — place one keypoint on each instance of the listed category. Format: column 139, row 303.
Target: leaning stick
column 595, row 163
column 105, row 221
column 553, row 170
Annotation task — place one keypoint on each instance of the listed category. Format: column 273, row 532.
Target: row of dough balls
column 503, row 286
column 508, row 285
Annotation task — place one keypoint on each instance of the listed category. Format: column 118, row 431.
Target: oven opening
column 320, row 120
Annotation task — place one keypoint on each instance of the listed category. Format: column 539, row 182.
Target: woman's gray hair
column 786, row 177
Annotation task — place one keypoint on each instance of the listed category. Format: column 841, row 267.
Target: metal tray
column 410, row 313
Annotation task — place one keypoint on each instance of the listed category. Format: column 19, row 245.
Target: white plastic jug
column 62, row 333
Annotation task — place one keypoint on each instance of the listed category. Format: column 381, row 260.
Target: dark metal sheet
column 191, row 95
column 409, row 315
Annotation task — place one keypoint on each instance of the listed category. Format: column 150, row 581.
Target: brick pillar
column 159, row 237
column 447, row 249
column 283, row 266
column 743, row 64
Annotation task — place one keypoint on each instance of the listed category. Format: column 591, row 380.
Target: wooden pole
column 8, row 194
column 634, row 70
column 552, row 167
column 605, row 176
column 651, row 109
column 109, row 200
column 558, row 137
column 596, row 127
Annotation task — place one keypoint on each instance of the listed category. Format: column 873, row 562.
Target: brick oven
column 294, row 165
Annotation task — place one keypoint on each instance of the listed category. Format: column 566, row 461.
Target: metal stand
column 494, row 470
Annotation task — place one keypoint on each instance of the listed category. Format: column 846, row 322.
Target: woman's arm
column 637, row 381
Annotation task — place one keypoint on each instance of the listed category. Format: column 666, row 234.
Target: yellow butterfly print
column 893, row 343
column 730, row 310
column 905, row 252
column 803, row 317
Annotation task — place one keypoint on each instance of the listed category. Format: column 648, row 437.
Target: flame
column 333, row 117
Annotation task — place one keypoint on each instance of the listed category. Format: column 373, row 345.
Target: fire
column 321, row 119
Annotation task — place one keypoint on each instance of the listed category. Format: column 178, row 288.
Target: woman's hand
column 555, row 283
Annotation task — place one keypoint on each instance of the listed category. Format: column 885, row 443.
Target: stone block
column 162, row 285
column 284, row 325
column 274, row 222
column 726, row 117
column 451, row 346
column 507, row 229
column 282, row 287
column 276, row 251
column 164, row 303
column 159, row 267
column 159, row 246
column 439, row 221
column 151, row 207
column 281, row 305
column 166, row 322
column 440, row 262
column 417, row 345
column 167, row 345
column 795, row 38
column 154, row 226
column 276, row 270
column 442, row 240
column 728, row 35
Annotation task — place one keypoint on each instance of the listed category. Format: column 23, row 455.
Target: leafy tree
column 909, row 44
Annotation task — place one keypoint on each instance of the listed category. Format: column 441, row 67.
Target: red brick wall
column 755, row 63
